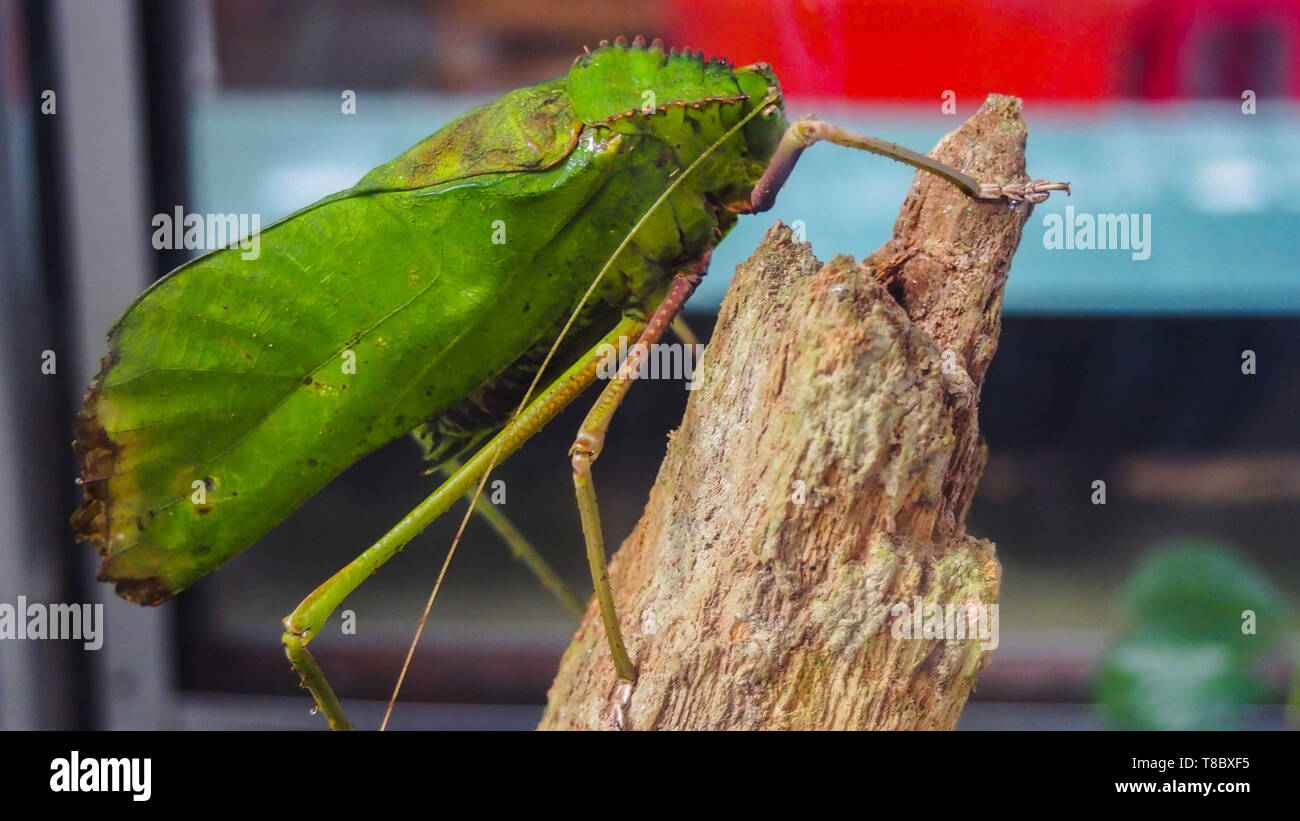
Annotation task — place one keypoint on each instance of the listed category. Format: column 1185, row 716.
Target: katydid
column 234, row 389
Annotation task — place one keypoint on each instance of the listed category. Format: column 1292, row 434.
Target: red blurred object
column 1083, row 50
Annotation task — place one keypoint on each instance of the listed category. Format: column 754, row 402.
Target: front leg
column 309, row 617
column 586, row 448
column 803, row 132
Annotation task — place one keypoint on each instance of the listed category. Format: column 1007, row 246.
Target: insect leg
column 807, row 130
column 586, row 448
column 309, row 617
column 683, row 331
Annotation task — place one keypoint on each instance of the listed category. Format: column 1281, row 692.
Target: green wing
column 235, row 388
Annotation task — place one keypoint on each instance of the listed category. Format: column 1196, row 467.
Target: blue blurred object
column 1220, row 188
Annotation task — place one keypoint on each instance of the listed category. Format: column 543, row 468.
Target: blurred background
column 1111, row 369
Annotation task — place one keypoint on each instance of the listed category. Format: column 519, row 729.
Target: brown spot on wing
column 92, row 520
column 98, row 454
column 148, row 591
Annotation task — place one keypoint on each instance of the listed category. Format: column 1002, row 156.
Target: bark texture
column 821, row 475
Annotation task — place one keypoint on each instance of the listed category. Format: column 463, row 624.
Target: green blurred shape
column 1154, row 684
column 1196, row 589
column 1187, row 655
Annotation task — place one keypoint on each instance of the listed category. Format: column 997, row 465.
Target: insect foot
column 619, row 702
column 1035, row 192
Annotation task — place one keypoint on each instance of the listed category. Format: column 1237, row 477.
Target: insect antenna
column 492, row 459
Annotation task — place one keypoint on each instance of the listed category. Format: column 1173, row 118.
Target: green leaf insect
column 464, row 292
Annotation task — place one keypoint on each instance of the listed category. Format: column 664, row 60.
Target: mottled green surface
column 438, row 272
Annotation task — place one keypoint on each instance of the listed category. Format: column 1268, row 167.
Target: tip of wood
column 1005, row 106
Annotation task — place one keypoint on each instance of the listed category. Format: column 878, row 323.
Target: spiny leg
column 805, row 131
column 586, row 448
column 309, row 617
column 521, row 548
column 313, row 678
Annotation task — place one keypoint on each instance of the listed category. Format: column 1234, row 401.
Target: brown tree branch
column 821, row 475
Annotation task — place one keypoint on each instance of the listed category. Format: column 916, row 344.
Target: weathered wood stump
column 821, row 475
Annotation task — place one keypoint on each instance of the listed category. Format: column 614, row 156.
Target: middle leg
column 590, row 439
